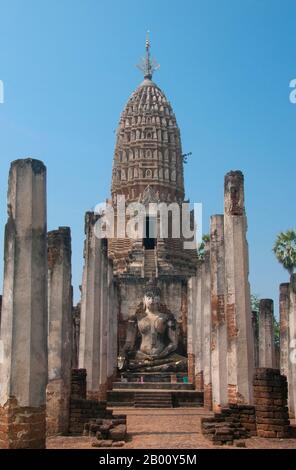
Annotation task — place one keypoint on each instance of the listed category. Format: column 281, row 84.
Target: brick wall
column 270, row 397
column 21, row 427
column 232, row 423
column 83, row 410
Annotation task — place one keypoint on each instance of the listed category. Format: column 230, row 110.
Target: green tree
column 285, row 250
column 255, row 301
column 276, row 326
column 201, row 247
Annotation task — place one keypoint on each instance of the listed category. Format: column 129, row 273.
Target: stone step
column 153, row 393
column 187, row 404
column 121, row 404
column 156, row 393
column 154, row 377
column 152, row 405
column 157, row 398
column 149, row 264
column 153, row 385
column 151, row 398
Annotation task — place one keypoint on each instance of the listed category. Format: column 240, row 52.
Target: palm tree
column 285, row 250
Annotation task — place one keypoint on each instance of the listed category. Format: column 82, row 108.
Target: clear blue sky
column 68, row 67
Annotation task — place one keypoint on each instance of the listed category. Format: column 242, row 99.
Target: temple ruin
column 158, row 324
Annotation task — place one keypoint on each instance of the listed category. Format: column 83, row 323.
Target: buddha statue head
column 151, row 299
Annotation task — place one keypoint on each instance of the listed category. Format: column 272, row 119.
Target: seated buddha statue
column 152, row 339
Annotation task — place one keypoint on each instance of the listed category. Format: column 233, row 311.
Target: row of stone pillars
column 219, row 303
column 36, row 335
column 98, row 325
column 226, row 339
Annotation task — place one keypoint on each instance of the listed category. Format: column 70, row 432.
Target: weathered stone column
column 94, row 311
column 266, row 334
column 103, row 323
column 206, row 302
column 240, row 357
column 198, row 311
column 191, row 327
column 284, row 328
column 112, row 352
column 59, row 331
column 89, row 343
column 255, row 329
column 76, row 335
column 23, row 370
column 219, row 330
column 292, row 348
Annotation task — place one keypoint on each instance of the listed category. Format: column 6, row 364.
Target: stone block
column 118, row 443
column 118, row 433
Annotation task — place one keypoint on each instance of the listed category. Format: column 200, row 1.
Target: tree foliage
column 255, row 301
column 201, row 247
column 285, row 250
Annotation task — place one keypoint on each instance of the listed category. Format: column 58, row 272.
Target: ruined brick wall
column 208, row 396
column 199, row 383
column 83, row 410
column 270, row 396
column 234, row 422
column 21, row 427
column 191, row 367
column 78, row 384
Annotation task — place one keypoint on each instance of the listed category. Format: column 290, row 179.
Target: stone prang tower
column 148, row 168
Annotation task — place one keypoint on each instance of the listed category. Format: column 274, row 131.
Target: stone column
column 112, row 343
column 206, row 303
column 219, row 330
column 284, row 328
column 240, row 357
column 292, row 348
column 198, row 322
column 191, row 327
column 94, row 311
column 76, row 335
column 89, row 343
column 266, row 334
column 103, row 322
column 23, row 369
column 255, row 329
column 59, row 331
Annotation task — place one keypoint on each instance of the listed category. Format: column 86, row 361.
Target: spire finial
column 148, row 65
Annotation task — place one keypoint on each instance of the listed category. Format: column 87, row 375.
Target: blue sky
column 68, row 68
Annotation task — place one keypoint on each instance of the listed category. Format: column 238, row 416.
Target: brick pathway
column 176, row 428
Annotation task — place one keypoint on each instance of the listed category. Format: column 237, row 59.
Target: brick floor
column 176, row 428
